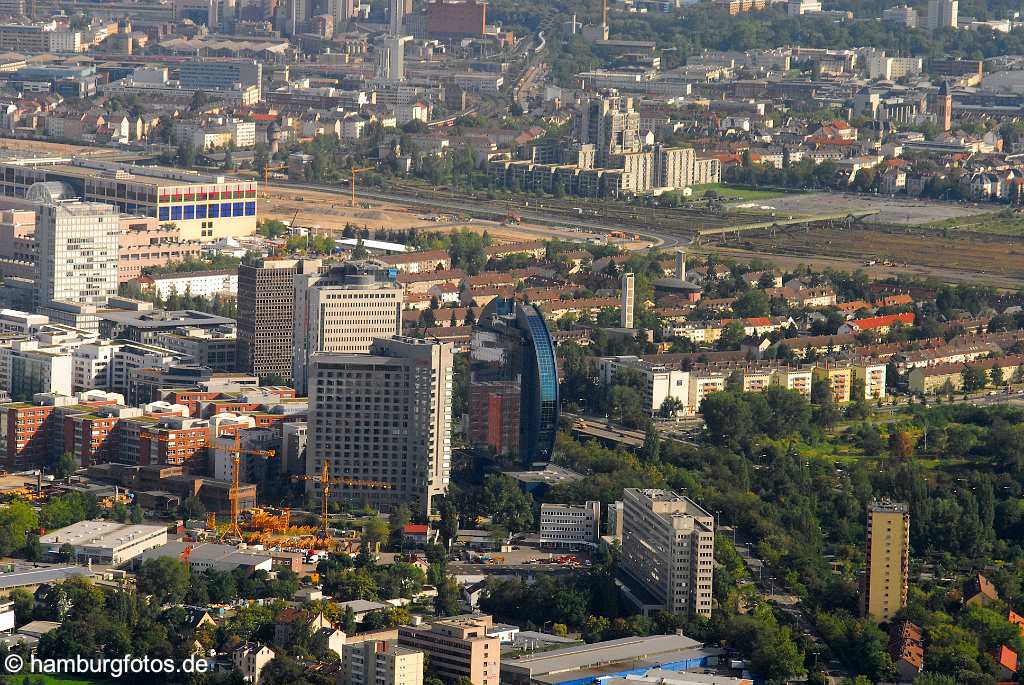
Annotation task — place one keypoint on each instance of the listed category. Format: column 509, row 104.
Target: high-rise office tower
column 628, row 293
column 384, row 417
column 342, row 310
column 391, row 59
column 77, row 244
column 668, row 547
column 396, row 13
column 512, row 352
column 266, row 311
column 943, row 14
column 342, row 11
column 887, row 560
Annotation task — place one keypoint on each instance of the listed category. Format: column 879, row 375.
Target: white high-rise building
column 77, row 244
column 668, row 547
column 383, row 417
column 396, row 13
column 391, row 59
column 942, row 14
column 341, row 311
column 628, row 300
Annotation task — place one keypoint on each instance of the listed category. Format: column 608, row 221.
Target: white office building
column 570, row 525
column 78, row 243
column 341, row 311
column 668, row 549
column 104, row 542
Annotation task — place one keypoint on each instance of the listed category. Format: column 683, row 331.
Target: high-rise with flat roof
column 77, row 243
column 668, row 549
column 343, row 310
column 266, row 310
column 887, row 560
column 458, row 647
column 384, row 417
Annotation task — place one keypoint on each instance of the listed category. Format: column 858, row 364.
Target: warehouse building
column 104, row 542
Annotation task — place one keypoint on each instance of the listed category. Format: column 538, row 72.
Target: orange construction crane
column 354, row 171
column 186, row 553
column 325, row 481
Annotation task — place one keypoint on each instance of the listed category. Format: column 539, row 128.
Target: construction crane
column 354, row 171
column 272, row 167
column 325, row 481
column 236, row 450
column 186, row 553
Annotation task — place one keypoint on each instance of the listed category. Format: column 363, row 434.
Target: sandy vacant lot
column 330, row 211
column 909, row 211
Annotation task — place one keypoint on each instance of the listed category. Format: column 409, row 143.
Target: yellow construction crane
column 325, row 481
column 236, row 451
column 354, row 171
column 272, row 167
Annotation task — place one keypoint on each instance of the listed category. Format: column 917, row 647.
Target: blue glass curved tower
column 538, row 399
column 513, row 406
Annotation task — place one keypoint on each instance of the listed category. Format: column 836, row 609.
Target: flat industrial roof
column 100, row 534
column 571, row 660
column 165, row 319
column 28, row 575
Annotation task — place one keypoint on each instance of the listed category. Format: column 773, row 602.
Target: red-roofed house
column 1006, row 662
column 417, row 534
column 877, row 324
column 1017, row 620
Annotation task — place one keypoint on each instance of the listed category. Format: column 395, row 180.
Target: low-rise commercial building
column 581, row 664
column 568, row 525
column 104, row 542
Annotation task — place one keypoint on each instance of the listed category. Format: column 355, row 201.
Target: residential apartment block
column 458, row 647
column 887, row 560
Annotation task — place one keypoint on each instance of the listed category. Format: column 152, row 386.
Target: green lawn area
column 731, row 192
column 1003, row 222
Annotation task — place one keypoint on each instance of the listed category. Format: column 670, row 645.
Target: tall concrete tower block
column 628, row 300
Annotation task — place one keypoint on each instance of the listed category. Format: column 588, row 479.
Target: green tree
column 67, row 464
column 166, row 578
column 17, row 520
column 448, row 602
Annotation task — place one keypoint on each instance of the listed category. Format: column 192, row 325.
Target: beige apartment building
column 887, row 561
column 668, row 548
column 840, row 379
column 382, row 662
column 458, row 647
column 343, row 310
column 384, row 417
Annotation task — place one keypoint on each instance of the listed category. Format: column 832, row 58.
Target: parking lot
column 901, row 210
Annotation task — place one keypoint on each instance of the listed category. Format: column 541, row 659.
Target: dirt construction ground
column 328, row 211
